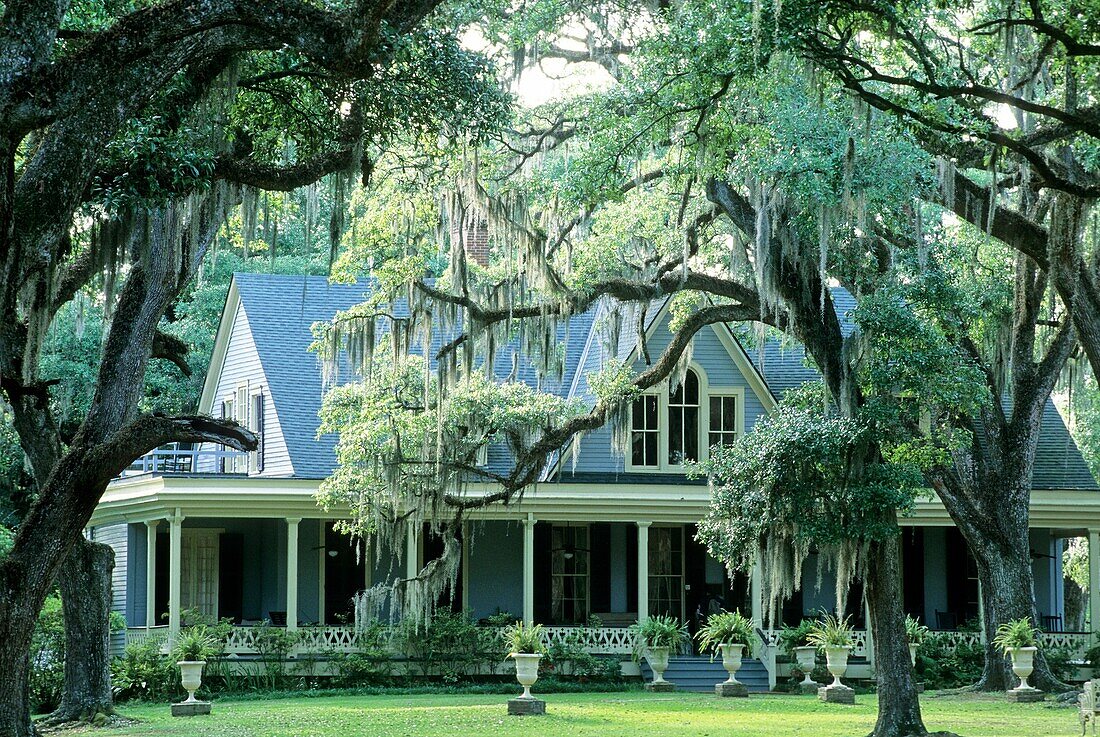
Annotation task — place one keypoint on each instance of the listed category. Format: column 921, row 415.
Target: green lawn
column 569, row 715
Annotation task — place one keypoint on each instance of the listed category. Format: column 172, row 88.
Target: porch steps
column 698, row 673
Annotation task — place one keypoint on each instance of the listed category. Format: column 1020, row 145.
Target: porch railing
column 594, row 640
column 143, row 635
column 200, row 460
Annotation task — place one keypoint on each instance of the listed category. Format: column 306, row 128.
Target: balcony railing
column 197, row 460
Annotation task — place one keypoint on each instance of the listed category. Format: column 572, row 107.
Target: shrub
column 449, row 645
column 831, row 631
column 726, row 628
column 144, row 673
column 799, row 636
column 941, row 665
column 48, row 657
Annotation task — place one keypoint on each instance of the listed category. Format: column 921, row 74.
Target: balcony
column 175, row 459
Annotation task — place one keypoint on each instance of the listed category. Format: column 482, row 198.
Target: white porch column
column 412, row 552
column 292, row 572
column 175, row 537
column 756, row 592
column 981, row 614
column 151, row 572
column 1094, row 581
column 870, row 634
column 322, row 556
column 643, row 570
column 529, row 569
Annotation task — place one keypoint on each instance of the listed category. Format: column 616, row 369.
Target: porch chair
column 1052, row 623
column 1087, row 706
column 946, row 620
column 278, row 619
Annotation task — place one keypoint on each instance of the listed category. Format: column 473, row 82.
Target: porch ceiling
column 143, row 498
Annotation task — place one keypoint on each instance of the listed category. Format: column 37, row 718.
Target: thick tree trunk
column 1008, row 592
column 85, row 583
column 898, row 705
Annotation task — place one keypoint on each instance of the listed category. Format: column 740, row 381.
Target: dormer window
column 677, row 425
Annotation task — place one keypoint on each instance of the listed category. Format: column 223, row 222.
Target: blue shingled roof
column 281, row 310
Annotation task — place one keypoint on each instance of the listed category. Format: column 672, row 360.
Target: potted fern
column 1017, row 639
column 730, row 633
column 655, row 638
column 915, row 633
column 193, row 647
column 525, row 647
column 796, row 641
column 834, row 636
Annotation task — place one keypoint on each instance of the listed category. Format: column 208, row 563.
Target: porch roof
column 149, row 497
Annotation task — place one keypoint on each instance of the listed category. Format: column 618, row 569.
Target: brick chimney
column 473, row 234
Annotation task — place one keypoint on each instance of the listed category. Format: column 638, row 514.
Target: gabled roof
column 281, row 310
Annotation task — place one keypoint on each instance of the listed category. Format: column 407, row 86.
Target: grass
column 630, row 714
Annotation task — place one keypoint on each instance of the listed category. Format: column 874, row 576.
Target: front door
column 666, row 571
column 199, row 569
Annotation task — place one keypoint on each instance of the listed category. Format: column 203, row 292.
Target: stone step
column 700, row 674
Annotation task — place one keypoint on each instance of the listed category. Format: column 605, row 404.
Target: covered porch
column 585, row 566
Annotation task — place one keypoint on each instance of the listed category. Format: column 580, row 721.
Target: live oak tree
column 1004, row 95
column 130, row 132
column 700, row 173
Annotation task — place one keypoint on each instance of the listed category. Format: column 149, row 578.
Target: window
column 256, row 425
column 569, row 574
column 645, row 432
column 683, row 421
column 723, row 421
column 677, row 425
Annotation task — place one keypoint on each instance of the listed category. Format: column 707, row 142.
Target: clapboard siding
column 117, row 536
column 242, row 367
column 709, row 353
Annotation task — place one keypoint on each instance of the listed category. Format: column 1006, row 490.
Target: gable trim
column 221, row 347
column 745, row 365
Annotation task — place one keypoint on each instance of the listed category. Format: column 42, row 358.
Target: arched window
column 683, row 421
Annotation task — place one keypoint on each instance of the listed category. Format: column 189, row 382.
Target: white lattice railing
column 142, row 635
column 593, row 640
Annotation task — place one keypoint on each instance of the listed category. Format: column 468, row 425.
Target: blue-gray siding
column 117, row 537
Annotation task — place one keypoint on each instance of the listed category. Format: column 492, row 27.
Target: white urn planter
column 731, row 660
column 1023, row 663
column 527, row 671
column 658, row 659
column 806, row 657
column 191, row 677
column 913, row 648
column 836, row 659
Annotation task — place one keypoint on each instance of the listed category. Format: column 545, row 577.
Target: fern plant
column 524, row 639
column 658, row 632
column 915, row 632
column 195, row 643
column 726, row 628
column 1015, row 634
column 831, row 631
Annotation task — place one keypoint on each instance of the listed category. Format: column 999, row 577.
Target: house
column 240, row 535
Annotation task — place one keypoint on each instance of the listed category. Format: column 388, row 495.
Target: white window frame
column 706, row 391
column 738, row 394
column 258, row 428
